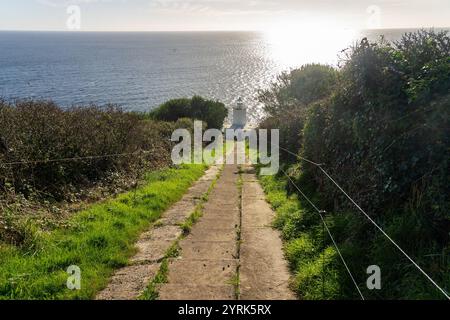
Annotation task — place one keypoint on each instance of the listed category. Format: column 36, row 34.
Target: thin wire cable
column 372, row 221
column 388, row 237
column 329, row 233
column 77, row 158
column 296, row 155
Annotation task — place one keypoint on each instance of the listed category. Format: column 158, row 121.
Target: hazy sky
column 143, row 15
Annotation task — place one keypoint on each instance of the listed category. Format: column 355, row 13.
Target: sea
column 140, row 70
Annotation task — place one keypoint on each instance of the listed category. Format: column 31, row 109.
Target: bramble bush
column 36, row 131
column 41, row 175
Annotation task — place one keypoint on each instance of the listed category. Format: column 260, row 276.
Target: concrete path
column 263, row 272
column 232, row 252
column 206, row 269
column 130, row 282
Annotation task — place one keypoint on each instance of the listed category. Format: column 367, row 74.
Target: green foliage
column 312, row 82
column 161, row 277
column 98, row 240
column 316, row 278
column 316, row 271
column 40, row 131
column 285, row 103
column 211, row 112
column 299, row 250
column 424, row 58
column 383, row 133
column 378, row 135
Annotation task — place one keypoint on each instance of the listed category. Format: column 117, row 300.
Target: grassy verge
column 98, row 240
column 313, row 264
column 318, row 272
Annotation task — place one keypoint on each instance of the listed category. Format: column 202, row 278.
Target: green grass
column 98, row 240
column 313, row 267
column 318, row 272
column 161, row 277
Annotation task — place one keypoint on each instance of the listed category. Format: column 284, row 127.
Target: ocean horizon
column 140, row 70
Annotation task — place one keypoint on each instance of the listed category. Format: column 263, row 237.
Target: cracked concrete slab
column 128, row 282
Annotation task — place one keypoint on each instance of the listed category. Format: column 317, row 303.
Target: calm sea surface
column 141, row 70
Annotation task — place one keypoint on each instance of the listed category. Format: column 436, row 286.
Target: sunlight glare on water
column 295, row 45
column 138, row 71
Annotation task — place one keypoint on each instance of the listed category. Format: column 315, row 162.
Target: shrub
column 383, row 133
column 286, row 102
column 211, row 112
column 377, row 139
column 34, row 133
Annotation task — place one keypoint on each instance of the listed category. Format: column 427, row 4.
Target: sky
column 187, row 15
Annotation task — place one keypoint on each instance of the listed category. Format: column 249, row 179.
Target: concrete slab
column 129, row 282
column 214, row 234
column 196, row 292
column 257, row 214
column 252, row 190
column 208, row 261
column 211, row 173
column 151, row 251
column 230, row 221
column 212, row 250
column 264, row 274
column 216, row 222
column 162, row 232
column 201, row 272
column 263, row 271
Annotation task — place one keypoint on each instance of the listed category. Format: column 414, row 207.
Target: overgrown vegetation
column 380, row 125
column 98, row 240
column 54, row 162
column 213, row 113
column 43, row 142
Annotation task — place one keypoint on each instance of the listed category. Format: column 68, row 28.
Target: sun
column 294, row 44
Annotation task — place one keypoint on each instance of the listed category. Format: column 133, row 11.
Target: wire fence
column 320, row 212
column 378, row 227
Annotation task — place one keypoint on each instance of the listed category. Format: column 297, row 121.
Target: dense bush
column 381, row 135
column 286, row 102
column 383, row 132
column 35, row 133
column 211, row 112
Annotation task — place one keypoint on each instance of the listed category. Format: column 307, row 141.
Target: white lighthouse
column 239, row 115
